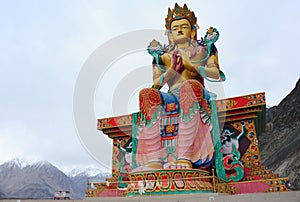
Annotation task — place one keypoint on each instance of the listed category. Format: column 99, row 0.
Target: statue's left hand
column 177, row 62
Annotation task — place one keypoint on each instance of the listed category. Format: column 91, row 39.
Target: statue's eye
column 174, row 28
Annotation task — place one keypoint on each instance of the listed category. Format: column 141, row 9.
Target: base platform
column 170, row 181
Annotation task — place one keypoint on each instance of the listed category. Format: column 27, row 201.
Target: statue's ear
column 170, row 37
column 193, row 34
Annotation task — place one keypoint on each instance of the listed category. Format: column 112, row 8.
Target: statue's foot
column 155, row 165
column 183, row 163
column 150, row 166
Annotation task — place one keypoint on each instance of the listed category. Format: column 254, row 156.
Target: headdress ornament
column 178, row 13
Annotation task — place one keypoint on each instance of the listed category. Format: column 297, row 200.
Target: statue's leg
column 150, row 102
column 149, row 149
column 194, row 138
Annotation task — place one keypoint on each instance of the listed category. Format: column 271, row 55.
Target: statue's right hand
column 189, row 66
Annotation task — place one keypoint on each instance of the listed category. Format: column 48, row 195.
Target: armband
column 202, row 71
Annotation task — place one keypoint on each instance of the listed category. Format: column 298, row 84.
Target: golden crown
column 178, row 13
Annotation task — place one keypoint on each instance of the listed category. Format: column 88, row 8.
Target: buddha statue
column 175, row 127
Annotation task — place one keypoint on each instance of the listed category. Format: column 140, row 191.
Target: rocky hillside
column 280, row 144
column 40, row 180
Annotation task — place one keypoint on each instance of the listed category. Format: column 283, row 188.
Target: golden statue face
column 181, row 31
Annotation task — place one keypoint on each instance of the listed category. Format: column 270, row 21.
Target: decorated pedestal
column 170, row 181
column 242, row 120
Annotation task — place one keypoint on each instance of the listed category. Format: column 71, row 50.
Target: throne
column 243, row 115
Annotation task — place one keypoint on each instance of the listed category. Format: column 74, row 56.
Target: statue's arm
column 159, row 77
column 212, row 69
column 156, row 76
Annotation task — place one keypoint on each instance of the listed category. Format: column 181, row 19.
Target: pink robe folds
column 175, row 126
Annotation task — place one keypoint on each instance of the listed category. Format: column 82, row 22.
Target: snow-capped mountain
column 84, row 171
column 80, row 177
column 17, row 162
column 20, row 179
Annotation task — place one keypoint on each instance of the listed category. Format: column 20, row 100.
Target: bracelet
column 161, row 79
column 202, row 71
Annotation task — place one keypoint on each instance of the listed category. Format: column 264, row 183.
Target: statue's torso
column 194, row 55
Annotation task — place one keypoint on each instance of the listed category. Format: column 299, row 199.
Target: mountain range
column 41, row 179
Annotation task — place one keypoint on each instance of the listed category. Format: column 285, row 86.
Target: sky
column 49, row 49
